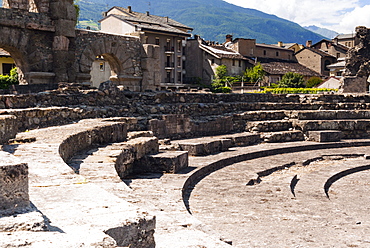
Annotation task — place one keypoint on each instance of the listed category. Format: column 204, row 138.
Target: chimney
column 166, row 18
column 229, row 38
column 309, row 43
column 280, row 44
column 147, row 13
column 129, row 9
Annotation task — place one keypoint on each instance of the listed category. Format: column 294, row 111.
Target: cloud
column 339, row 15
column 358, row 17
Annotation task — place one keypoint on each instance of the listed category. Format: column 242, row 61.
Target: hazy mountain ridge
column 211, row 19
column 330, row 34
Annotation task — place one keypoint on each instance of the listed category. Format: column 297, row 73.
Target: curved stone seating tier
column 56, row 190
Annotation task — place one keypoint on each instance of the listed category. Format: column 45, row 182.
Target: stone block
column 8, row 128
column 243, row 139
column 137, row 233
column 193, row 148
column 203, row 147
column 144, row 146
column 168, row 162
column 324, row 136
column 13, row 187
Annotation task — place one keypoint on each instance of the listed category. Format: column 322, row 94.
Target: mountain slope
column 322, row 31
column 211, row 19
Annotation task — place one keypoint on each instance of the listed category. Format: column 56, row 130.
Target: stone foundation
column 13, row 188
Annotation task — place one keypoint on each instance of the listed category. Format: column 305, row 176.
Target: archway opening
column 10, row 68
column 105, row 67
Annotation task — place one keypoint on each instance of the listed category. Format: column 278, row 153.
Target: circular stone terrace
column 89, row 177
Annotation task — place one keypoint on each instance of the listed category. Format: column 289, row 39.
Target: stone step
column 268, row 126
column 163, row 162
column 204, row 146
column 325, row 135
column 342, row 125
column 283, row 136
column 329, row 114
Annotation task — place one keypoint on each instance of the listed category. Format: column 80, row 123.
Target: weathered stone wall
column 357, row 68
column 8, row 127
column 13, row 187
column 123, row 54
column 47, row 48
column 108, row 133
column 171, row 115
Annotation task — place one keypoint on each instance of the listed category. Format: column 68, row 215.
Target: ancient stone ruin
column 47, row 49
column 107, row 167
column 357, row 70
column 127, row 168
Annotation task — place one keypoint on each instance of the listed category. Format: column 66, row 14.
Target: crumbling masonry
column 357, row 69
column 42, row 39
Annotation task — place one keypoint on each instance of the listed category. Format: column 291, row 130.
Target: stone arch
column 14, row 43
column 123, row 54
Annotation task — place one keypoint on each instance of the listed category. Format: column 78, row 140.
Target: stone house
column 276, row 69
column 316, row 59
column 347, row 40
column 6, row 62
column 332, row 47
column 292, row 46
column 337, row 69
column 204, row 57
column 168, row 35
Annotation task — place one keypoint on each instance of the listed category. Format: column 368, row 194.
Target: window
column 264, row 52
column 101, row 66
column 179, row 45
column 7, row 68
column 168, row 45
column 213, row 61
column 277, row 54
column 179, row 61
column 338, row 55
column 179, row 74
column 233, row 62
column 240, row 63
column 157, row 40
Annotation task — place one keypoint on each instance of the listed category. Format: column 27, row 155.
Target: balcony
column 169, row 65
column 169, row 49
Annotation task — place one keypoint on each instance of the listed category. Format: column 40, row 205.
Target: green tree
column 313, row 82
column 254, row 74
column 77, row 8
column 221, row 72
column 291, row 80
column 7, row 80
column 221, row 77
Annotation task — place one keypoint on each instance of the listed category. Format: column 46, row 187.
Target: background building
column 6, row 62
column 169, row 35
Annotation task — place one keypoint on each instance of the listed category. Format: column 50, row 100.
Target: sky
column 342, row 16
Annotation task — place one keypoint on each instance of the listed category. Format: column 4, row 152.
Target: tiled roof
column 4, row 53
column 144, row 25
column 282, row 67
column 318, row 51
column 338, row 45
column 271, row 46
column 345, row 36
column 222, row 52
column 152, row 22
column 340, row 64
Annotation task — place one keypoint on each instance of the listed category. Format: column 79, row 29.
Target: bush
column 291, row 80
column 7, row 80
column 220, row 88
column 254, row 74
column 313, row 82
column 296, row 90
